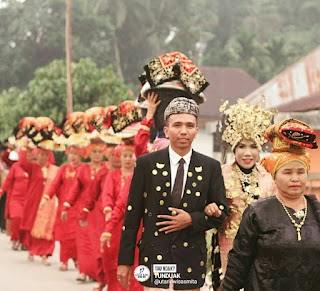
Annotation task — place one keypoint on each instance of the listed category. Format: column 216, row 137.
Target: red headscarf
column 122, row 147
column 73, row 149
column 290, row 137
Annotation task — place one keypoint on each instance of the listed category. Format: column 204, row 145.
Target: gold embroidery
column 234, row 190
column 70, row 174
column 160, row 166
column 165, row 173
column 44, row 172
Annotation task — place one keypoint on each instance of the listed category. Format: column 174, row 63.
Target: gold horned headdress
column 245, row 121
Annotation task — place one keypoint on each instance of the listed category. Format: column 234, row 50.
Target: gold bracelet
column 144, row 127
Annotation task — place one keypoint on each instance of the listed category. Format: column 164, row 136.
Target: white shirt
column 174, row 164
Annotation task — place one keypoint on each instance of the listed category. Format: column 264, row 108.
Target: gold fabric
column 45, row 218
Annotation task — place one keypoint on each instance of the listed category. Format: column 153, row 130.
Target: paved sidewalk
column 16, row 273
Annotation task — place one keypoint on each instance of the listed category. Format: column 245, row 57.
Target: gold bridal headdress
column 245, row 121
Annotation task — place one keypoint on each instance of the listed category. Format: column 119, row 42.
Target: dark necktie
column 178, row 184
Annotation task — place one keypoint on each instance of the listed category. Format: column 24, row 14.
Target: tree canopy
column 45, row 95
column 260, row 36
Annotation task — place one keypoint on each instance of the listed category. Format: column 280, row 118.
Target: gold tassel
column 299, row 235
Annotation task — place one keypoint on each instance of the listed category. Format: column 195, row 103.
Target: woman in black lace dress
column 277, row 245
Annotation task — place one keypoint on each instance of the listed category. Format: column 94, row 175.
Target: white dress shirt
column 174, row 164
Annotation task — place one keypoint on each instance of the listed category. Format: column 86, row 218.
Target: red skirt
column 68, row 250
column 41, row 247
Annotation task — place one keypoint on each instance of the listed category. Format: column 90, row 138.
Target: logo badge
column 141, row 273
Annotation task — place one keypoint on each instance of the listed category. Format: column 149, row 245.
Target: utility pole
column 69, row 56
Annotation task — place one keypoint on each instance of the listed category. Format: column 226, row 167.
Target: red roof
column 225, row 84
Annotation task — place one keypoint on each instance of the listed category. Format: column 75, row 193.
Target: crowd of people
column 141, row 201
column 86, row 193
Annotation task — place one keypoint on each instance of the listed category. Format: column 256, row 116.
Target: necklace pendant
column 299, row 235
column 299, row 214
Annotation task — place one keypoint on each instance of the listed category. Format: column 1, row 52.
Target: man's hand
column 212, row 210
column 64, row 215
column 124, row 275
column 179, row 219
column 152, row 105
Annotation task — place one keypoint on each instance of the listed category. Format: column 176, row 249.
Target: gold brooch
column 160, row 166
column 198, row 169
column 299, row 214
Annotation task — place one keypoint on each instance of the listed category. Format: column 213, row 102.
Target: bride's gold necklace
column 251, row 179
column 297, row 225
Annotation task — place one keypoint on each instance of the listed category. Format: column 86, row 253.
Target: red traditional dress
column 86, row 249
column 141, row 140
column 65, row 231
column 15, row 185
column 114, row 226
column 110, row 194
column 142, row 145
column 3, row 173
column 238, row 202
column 93, row 205
column 39, row 178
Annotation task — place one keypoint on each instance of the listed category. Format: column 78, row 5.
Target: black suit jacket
column 150, row 195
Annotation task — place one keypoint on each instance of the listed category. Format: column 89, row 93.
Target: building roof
column 303, row 104
column 298, row 81
column 225, row 84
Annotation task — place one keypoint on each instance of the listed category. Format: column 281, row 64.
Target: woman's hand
column 212, row 210
column 43, row 201
column 105, row 239
column 107, row 215
column 152, row 105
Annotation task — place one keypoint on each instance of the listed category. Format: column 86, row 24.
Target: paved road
column 17, row 274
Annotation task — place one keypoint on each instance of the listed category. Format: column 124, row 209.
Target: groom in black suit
column 169, row 191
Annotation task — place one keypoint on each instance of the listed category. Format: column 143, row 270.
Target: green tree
column 32, row 35
column 45, row 95
column 11, row 110
column 128, row 34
